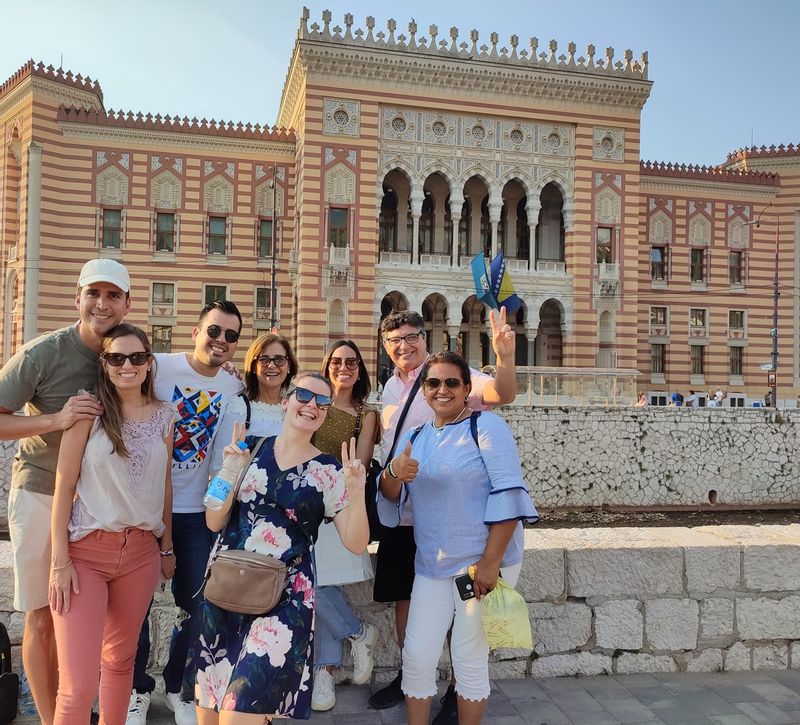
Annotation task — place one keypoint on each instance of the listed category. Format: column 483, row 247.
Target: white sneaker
column 185, row 714
column 361, row 649
column 137, row 708
column 323, row 696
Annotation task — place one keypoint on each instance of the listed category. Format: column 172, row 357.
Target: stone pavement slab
column 735, row 698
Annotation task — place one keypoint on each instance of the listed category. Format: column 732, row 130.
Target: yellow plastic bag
column 505, row 618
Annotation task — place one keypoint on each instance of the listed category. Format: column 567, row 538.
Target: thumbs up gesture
column 405, row 467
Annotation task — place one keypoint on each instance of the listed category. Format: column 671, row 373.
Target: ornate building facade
column 396, row 158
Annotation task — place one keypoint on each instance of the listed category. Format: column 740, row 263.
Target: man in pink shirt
column 403, row 337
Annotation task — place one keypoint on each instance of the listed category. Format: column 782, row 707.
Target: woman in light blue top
column 463, row 476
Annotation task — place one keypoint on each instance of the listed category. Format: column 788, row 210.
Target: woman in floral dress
column 249, row 666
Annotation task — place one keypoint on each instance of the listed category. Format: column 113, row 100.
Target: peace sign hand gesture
column 503, row 337
column 355, row 476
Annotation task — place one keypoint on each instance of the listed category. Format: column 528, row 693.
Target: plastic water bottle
column 221, row 485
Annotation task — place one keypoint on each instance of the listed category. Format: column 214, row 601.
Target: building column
column 456, row 202
column 454, row 331
column 531, row 335
column 33, row 215
column 416, row 211
column 532, row 211
column 494, row 220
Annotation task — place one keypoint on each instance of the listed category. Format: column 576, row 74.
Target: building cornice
column 55, row 75
column 692, row 187
column 708, row 173
column 62, row 93
column 146, row 137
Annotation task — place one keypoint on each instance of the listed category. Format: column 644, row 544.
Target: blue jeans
column 334, row 622
column 192, row 542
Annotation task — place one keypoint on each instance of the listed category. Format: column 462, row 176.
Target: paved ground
column 730, row 698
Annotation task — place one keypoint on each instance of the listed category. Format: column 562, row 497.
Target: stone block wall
column 658, row 457
column 608, row 601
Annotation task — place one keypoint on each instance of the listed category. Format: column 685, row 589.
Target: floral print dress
column 263, row 664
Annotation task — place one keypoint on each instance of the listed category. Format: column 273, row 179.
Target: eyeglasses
column 214, row 331
column 436, row 383
column 117, row 359
column 411, row 338
column 277, row 360
column 351, row 363
column 305, row 396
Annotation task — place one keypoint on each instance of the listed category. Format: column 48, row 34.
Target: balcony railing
column 435, row 260
column 608, row 272
column 339, row 256
column 517, row 266
column 546, row 266
column 395, row 259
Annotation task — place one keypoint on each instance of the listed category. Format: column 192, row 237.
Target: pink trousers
column 97, row 639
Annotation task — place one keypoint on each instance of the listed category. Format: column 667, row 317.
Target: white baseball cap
column 105, row 270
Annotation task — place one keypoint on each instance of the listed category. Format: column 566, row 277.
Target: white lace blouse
column 113, row 492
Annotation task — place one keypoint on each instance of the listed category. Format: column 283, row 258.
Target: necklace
column 441, row 428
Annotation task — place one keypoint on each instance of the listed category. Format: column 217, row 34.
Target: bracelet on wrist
column 390, row 469
column 59, row 568
column 167, row 552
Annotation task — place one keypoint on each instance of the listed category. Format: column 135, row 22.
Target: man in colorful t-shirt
column 197, row 387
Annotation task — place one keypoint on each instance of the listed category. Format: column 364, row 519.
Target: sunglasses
column 435, row 383
column 305, row 396
column 117, row 359
column 277, row 360
column 351, row 363
column 214, row 331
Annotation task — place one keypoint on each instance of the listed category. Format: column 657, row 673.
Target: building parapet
column 707, row 173
column 743, row 154
column 59, row 75
column 174, row 124
column 630, row 68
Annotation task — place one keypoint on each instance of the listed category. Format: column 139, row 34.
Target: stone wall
column 657, row 457
column 609, row 601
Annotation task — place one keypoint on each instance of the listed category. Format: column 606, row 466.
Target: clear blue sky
column 723, row 69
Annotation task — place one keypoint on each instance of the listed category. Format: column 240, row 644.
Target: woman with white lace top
column 112, row 516
column 269, row 368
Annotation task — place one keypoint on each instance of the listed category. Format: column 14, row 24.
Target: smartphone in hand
column 465, row 587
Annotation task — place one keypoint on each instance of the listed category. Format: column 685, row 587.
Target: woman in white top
column 269, row 368
column 111, row 520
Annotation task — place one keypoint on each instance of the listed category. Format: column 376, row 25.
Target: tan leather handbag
column 244, row 582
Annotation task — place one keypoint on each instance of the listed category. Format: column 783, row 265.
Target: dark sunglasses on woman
column 304, row 396
column 213, row 331
column 277, row 360
column 117, row 359
column 435, row 383
column 351, row 363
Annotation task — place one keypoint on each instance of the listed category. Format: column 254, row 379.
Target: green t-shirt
column 41, row 376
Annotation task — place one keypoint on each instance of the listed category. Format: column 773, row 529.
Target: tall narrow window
column 216, row 234
column 112, row 229
column 163, row 298
column 265, row 238
column 658, row 316
column 657, row 358
column 214, row 292
column 161, row 335
column 735, row 267
column 698, row 355
column 658, row 262
column 337, row 227
column 165, row 232
column 736, row 360
column 736, row 319
column 697, row 317
column 603, row 237
column 698, row 265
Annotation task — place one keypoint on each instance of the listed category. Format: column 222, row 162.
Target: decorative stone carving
column 340, row 185
column 660, row 229
column 218, row 195
column 738, row 233
column 699, row 231
column 555, row 140
column 111, row 187
column 125, row 161
column 100, row 159
column 341, row 117
column 439, row 128
column 264, row 199
column 165, row 191
column 155, row 163
column 608, row 207
column 337, row 317
column 608, row 143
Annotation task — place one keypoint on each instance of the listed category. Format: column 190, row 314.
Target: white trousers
column 435, row 606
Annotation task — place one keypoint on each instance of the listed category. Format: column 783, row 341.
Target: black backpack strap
column 248, row 413
column 402, row 419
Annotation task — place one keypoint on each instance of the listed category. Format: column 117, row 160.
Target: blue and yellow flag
column 483, row 286
column 502, row 287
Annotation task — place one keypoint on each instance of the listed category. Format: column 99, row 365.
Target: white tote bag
column 335, row 564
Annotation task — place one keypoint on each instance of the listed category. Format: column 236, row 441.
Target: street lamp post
column 773, row 391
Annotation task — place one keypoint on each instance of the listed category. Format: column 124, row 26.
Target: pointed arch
column 218, row 195
column 111, row 187
column 165, row 191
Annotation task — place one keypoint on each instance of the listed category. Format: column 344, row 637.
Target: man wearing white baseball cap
column 49, row 377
